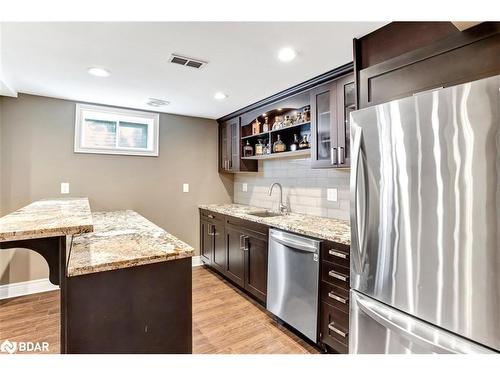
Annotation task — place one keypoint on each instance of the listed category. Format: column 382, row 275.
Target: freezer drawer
column 378, row 329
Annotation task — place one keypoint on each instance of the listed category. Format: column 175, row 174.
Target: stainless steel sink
column 265, row 213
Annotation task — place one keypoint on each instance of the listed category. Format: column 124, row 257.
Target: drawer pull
column 211, row 216
column 337, row 331
column 338, row 276
column 337, row 254
column 337, row 298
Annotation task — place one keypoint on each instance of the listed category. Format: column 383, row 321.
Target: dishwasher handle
column 294, row 244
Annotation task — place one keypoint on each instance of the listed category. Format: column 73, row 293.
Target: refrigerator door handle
column 383, row 316
column 355, row 237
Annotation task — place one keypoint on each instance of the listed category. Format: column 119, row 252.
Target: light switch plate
column 185, row 188
column 64, row 187
column 245, row 186
column 331, row 195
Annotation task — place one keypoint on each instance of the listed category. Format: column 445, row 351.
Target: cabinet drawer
column 210, row 215
column 250, row 225
column 335, row 253
column 335, row 274
column 334, row 328
column 335, row 296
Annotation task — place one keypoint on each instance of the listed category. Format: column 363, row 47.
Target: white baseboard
column 26, row 287
column 44, row 285
column 197, row 261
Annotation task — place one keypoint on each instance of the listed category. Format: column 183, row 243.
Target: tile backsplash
column 304, row 189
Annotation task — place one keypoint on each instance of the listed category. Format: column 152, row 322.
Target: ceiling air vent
column 187, row 61
column 153, row 102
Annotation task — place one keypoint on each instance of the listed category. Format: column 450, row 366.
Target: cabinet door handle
column 245, row 243
column 333, row 155
column 242, row 242
column 338, row 276
column 337, row 254
column 229, row 164
column 340, row 155
column 338, row 298
column 336, row 330
column 214, row 232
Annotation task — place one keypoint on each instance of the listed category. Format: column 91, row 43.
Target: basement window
column 107, row 130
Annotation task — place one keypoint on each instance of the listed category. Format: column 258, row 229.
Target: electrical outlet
column 64, row 187
column 331, row 195
column 245, row 186
column 185, row 188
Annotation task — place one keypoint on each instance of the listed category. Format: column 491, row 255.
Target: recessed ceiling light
column 98, row 72
column 220, row 96
column 153, row 102
column 287, row 54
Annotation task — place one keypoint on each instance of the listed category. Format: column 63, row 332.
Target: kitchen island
column 128, row 288
column 125, row 283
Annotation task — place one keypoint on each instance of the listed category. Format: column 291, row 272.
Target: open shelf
column 285, row 154
column 266, row 134
column 290, row 127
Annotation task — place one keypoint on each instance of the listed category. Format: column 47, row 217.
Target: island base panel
column 143, row 309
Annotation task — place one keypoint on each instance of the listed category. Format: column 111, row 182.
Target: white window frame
column 117, row 114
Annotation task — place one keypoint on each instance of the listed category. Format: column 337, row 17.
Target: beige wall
column 37, row 155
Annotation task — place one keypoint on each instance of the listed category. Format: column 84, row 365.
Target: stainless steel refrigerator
column 425, row 223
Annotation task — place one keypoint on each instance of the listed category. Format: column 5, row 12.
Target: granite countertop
column 122, row 239
column 314, row 226
column 47, row 218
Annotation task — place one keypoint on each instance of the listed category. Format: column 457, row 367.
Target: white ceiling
column 51, row 59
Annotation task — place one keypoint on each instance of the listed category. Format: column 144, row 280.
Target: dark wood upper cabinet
column 346, row 103
column 404, row 58
column 330, row 107
column 230, row 149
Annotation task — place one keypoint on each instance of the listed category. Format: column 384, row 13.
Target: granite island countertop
column 122, row 239
column 47, row 218
column 314, row 226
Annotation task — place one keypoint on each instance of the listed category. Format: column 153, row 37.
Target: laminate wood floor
column 225, row 321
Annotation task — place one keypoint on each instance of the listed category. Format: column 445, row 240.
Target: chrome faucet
column 283, row 207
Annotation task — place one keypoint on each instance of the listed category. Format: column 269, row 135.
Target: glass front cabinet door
column 229, row 145
column 330, row 107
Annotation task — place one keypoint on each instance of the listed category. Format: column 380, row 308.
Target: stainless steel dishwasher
column 292, row 280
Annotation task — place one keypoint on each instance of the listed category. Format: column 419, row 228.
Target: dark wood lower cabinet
column 334, row 297
column 235, row 270
column 256, row 251
column 237, row 249
column 137, row 310
column 206, row 243
column 219, row 254
column 334, row 329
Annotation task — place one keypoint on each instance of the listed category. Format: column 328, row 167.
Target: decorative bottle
column 259, row 148
column 279, row 146
column 304, row 143
column 247, row 150
column 295, row 145
column 265, row 127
